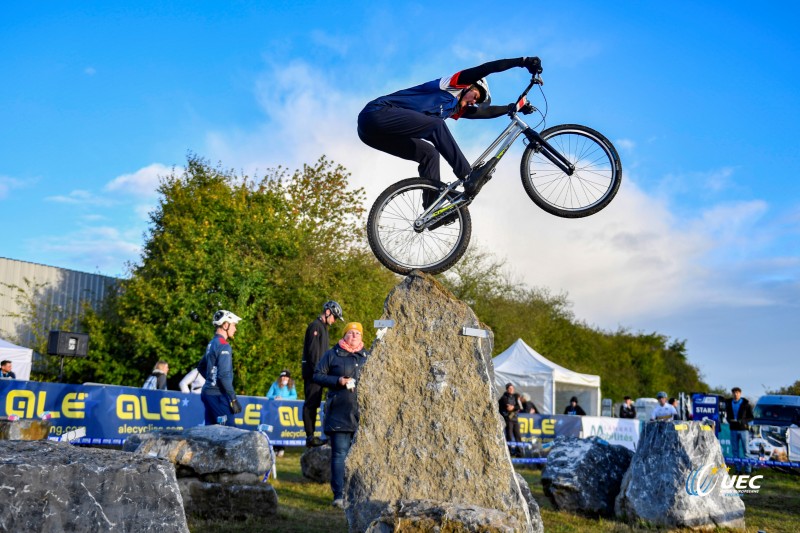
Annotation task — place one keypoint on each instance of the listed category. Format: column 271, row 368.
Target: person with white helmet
column 314, row 346
column 410, row 123
column 218, row 395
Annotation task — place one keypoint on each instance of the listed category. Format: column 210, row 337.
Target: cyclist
column 410, row 123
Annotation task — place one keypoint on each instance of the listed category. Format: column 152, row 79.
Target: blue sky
column 701, row 100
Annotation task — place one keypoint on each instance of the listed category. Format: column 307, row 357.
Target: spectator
column 573, row 408
column 314, row 346
column 158, row 379
column 339, row 370
column 739, row 414
column 674, row 403
column 663, row 412
column 217, row 394
column 192, row 382
column 627, row 409
column 5, row 370
column 510, row 406
column 283, row 388
column 528, row 406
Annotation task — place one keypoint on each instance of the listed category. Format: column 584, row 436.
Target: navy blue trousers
column 340, row 445
column 216, row 406
column 414, row 136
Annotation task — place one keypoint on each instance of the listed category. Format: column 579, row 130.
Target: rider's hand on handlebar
column 533, row 64
column 526, row 108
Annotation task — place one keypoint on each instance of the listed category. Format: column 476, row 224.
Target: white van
column 773, row 414
column 644, row 408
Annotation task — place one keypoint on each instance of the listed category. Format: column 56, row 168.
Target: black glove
column 235, row 406
column 533, row 64
column 526, row 109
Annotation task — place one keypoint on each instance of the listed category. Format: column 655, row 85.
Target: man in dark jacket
column 340, row 370
column 510, row 406
column 573, row 408
column 314, row 345
column 739, row 414
column 627, row 409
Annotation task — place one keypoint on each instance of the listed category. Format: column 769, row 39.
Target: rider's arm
column 489, row 111
column 471, row 75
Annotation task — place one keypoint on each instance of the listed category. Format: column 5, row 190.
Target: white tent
column 549, row 385
column 20, row 358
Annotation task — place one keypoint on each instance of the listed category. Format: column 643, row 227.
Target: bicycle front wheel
column 590, row 188
column 399, row 246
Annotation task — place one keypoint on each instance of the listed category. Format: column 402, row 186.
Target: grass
column 305, row 507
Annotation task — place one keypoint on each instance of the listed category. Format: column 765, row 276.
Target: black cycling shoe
column 476, row 179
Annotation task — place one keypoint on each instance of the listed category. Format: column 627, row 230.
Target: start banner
column 110, row 414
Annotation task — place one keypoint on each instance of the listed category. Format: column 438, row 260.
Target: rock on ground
column 413, row 516
column 584, row 475
column 49, row 487
column 206, row 449
column 656, row 488
column 429, row 427
column 315, row 464
column 24, row 429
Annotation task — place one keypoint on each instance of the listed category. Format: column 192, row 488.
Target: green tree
column 271, row 250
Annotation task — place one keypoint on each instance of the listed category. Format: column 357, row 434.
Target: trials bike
column 570, row 171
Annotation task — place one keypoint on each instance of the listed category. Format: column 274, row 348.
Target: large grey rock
column 52, row 487
column 315, row 463
column 533, row 506
column 656, row 487
column 226, row 501
column 584, row 475
column 423, row 515
column 24, row 429
column 429, row 426
column 206, row 450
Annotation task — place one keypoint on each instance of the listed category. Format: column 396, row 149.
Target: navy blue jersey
column 438, row 98
column 219, row 361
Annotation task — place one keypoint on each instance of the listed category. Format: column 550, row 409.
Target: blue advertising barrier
column 545, row 428
column 112, row 413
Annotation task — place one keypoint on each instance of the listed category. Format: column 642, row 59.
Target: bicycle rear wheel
column 595, row 182
column 399, row 246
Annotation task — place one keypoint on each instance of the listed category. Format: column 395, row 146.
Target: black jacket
column 509, row 399
column 341, row 405
column 627, row 412
column 314, row 346
column 742, row 422
column 577, row 410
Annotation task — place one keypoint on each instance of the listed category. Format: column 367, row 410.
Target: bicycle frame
column 500, row 146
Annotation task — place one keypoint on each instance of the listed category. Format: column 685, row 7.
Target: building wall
column 64, row 290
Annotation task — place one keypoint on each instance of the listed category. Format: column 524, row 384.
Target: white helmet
column 222, row 316
column 483, row 88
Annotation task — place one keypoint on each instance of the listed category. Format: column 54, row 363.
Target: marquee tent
column 20, row 358
column 549, row 385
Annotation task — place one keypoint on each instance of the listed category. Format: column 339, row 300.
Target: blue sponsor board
column 706, row 406
column 545, row 428
column 111, row 413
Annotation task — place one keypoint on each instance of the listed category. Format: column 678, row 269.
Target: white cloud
column 80, row 197
column 142, row 183
column 104, row 248
column 8, row 183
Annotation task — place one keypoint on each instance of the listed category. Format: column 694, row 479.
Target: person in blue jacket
column 339, row 370
column 217, row 394
column 410, row 123
column 283, row 388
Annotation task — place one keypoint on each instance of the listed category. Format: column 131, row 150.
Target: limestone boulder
column 429, row 427
column 315, row 464
column 47, row 486
column 584, row 475
column 205, row 450
column 533, row 507
column 24, row 429
column 423, row 515
column 206, row 500
column 676, row 480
